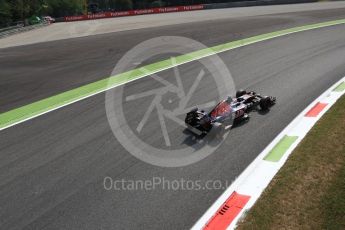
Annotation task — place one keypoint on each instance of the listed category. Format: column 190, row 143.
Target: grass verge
column 309, row 190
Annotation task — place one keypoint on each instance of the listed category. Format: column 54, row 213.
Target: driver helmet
column 229, row 99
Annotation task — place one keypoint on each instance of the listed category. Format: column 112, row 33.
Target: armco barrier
column 2, row 30
column 134, row 12
column 19, row 29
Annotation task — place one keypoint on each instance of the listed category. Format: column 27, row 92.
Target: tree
column 157, row 3
column 59, row 8
column 124, row 4
column 114, row 4
column 21, row 9
column 5, row 13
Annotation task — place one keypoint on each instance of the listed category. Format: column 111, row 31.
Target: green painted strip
column 340, row 87
column 280, row 149
column 26, row 112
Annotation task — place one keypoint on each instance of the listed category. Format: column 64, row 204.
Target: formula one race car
column 227, row 112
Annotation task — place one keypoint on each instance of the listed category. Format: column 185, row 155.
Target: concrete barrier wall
column 133, row 12
column 179, row 9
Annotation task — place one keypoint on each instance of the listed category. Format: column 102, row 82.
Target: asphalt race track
column 52, row 168
column 33, row 72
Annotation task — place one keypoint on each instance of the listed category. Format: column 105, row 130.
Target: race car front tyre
column 265, row 103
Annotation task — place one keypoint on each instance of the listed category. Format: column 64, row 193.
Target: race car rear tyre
column 265, row 103
column 240, row 93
